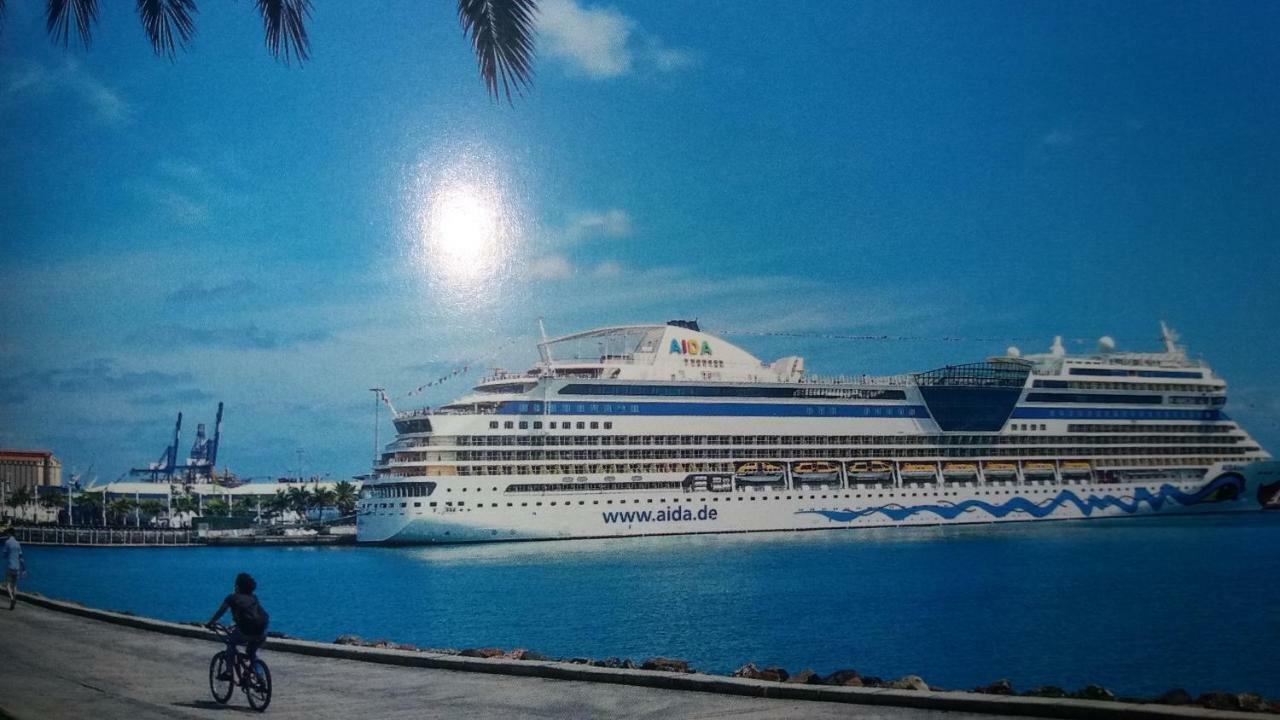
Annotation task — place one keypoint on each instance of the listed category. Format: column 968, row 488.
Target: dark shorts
column 11, row 576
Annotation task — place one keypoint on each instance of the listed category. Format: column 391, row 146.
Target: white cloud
column 552, row 267
column 601, row 42
column 609, row 223
column 35, row 79
column 607, row 269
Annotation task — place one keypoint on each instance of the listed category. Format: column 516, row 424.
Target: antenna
column 543, row 349
column 378, row 394
column 173, row 449
column 217, row 435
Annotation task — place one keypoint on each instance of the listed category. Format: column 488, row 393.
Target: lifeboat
column 917, row 470
column 1038, row 468
column 959, row 469
column 816, row 471
column 999, row 469
column 759, row 473
column 1076, row 467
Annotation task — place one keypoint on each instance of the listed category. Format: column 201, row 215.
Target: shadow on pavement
column 211, row 705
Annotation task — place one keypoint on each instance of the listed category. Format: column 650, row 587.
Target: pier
column 64, row 666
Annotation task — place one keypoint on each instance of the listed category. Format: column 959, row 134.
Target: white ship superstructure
column 665, row 429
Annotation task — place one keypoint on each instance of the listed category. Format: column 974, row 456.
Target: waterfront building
column 28, row 469
column 665, row 429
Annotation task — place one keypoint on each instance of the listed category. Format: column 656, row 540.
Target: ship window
column 537, row 424
column 417, row 504
column 524, row 425
column 608, row 425
column 595, row 426
column 581, row 425
column 432, row 504
column 508, row 425
column 493, row 424
column 461, row 503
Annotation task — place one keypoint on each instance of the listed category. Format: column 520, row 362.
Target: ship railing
column 872, row 380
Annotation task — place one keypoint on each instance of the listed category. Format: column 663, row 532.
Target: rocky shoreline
column 1212, row 700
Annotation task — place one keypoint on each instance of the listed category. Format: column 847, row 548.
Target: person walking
column 15, row 565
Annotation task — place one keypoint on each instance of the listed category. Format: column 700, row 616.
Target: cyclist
column 250, row 619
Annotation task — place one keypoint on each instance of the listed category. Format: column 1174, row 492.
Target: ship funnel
column 1056, row 349
column 1106, row 344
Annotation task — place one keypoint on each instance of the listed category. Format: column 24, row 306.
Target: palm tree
column 53, row 499
column 500, row 31
column 216, row 506
column 184, row 504
column 322, row 498
column 299, row 501
column 345, row 497
column 120, row 509
column 20, row 498
column 88, row 504
column 151, row 508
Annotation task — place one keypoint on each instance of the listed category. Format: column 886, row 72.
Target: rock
column 999, row 687
column 488, row 652
column 1046, row 691
column 805, row 677
column 276, row 634
column 666, row 665
column 1250, row 702
column 910, row 682
column 534, row 655
column 847, row 678
column 407, row 646
column 628, row 664
column 1093, row 692
column 1176, row 696
column 609, row 662
column 579, row 660
column 1215, row 700
column 872, row 681
column 383, row 644
column 746, row 671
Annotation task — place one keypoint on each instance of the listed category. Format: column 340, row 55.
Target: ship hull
column 495, row 516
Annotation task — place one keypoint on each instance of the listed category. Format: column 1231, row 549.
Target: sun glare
column 463, row 230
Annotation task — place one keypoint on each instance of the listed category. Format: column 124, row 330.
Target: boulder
column 628, row 664
column 805, row 677
column 1093, row 692
column 667, row 665
column 746, row 671
column 348, row 640
column 382, row 644
column 1046, row 691
column 488, row 652
column 999, row 687
column 407, row 646
column 609, row 662
column 846, row 678
column 873, row 681
column 773, row 674
column 1251, row 702
column 276, row 634
column 1176, row 696
column 534, row 655
column 910, row 682
column 1243, row 702
column 579, row 660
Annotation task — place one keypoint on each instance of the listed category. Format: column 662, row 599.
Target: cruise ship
column 665, row 429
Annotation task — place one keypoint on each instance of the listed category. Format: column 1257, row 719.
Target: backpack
column 254, row 619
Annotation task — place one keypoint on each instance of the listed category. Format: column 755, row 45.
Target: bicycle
column 224, row 677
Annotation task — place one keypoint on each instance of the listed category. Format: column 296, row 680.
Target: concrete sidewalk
column 57, row 665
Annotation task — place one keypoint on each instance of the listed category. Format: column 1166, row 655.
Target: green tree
column 500, row 31
column 345, row 497
column 152, row 508
column 18, row 500
column 120, row 508
column 299, row 501
column 53, row 499
column 322, row 498
column 216, row 506
column 87, row 505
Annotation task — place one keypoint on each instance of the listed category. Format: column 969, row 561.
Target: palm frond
column 501, row 33
column 284, row 21
column 168, row 23
column 59, row 15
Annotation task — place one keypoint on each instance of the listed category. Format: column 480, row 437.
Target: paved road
column 54, row 665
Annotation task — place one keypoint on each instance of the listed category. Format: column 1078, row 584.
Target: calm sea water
column 1139, row 604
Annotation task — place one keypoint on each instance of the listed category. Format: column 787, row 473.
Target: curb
column 933, row 700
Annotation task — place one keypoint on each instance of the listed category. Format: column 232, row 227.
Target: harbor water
column 1139, row 605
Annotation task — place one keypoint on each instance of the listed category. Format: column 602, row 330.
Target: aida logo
column 690, row 347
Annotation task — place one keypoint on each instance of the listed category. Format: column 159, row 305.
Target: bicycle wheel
column 221, row 682
column 258, row 689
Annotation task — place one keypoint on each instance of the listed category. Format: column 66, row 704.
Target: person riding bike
column 250, row 619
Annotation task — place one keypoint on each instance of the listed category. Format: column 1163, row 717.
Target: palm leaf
column 501, row 33
column 59, row 15
column 168, row 23
column 286, row 32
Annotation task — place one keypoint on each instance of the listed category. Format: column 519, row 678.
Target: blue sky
column 226, row 228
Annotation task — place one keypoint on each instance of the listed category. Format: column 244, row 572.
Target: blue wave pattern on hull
column 1156, row 500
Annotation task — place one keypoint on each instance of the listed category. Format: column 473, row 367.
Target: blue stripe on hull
column 1229, row 484
column 1039, row 413
column 730, row 409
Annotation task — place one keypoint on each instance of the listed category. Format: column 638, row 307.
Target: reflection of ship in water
column 200, row 465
